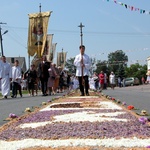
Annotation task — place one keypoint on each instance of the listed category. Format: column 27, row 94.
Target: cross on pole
column 81, row 34
column 40, row 8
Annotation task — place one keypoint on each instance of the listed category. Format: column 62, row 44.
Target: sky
column 108, row 26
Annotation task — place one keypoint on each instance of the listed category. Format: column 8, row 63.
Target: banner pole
column 81, row 34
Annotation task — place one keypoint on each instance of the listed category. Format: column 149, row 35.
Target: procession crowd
column 46, row 77
column 51, row 79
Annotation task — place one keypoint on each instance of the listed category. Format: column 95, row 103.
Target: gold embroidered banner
column 61, row 59
column 52, row 52
column 37, row 33
column 48, row 46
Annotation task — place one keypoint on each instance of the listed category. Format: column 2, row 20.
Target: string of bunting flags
column 132, row 8
column 113, row 63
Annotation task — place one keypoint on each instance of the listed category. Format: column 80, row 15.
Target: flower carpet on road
column 77, row 123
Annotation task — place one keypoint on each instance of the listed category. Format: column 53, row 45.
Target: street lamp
column 1, row 40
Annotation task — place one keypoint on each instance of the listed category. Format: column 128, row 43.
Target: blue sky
column 108, row 27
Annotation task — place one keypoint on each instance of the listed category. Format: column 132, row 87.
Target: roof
column 22, row 62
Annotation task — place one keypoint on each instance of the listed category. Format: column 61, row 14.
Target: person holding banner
column 5, row 81
column 83, row 64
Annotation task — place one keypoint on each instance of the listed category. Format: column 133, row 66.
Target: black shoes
column 13, row 96
column 87, row 94
column 5, row 97
column 45, row 95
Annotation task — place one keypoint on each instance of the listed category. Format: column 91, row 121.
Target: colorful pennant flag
column 132, row 8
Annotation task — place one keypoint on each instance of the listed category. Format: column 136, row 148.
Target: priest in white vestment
column 1, row 72
column 5, row 81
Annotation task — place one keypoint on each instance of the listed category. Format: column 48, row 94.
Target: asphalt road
column 18, row 105
column 138, row 96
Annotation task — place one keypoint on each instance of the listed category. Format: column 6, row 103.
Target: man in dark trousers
column 43, row 74
column 83, row 64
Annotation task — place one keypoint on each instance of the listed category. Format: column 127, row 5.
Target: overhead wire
column 89, row 32
column 16, row 37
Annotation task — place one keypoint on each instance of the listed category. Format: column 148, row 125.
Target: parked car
column 131, row 81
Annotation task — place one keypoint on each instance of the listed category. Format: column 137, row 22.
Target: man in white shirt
column 83, row 64
column 16, row 78
column 5, row 81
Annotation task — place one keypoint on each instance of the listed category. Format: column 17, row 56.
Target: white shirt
column 86, row 62
column 16, row 74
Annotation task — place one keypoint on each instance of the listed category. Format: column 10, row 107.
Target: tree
column 136, row 70
column 115, row 59
column 121, row 71
column 101, row 66
column 70, row 65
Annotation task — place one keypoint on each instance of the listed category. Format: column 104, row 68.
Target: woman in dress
column 51, row 79
column 101, row 80
column 112, row 80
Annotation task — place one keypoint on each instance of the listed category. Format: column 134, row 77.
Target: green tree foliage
column 136, row 70
column 101, row 66
column 121, row 71
column 115, row 59
column 70, row 65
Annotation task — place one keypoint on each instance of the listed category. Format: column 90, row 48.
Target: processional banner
column 61, row 59
column 52, row 52
column 37, row 33
column 48, row 46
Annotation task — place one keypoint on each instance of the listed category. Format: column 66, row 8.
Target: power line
column 90, row 32
column 17, row 41
column 15, row 36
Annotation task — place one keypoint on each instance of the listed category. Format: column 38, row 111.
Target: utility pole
column 1, row 40
column 81, row 34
